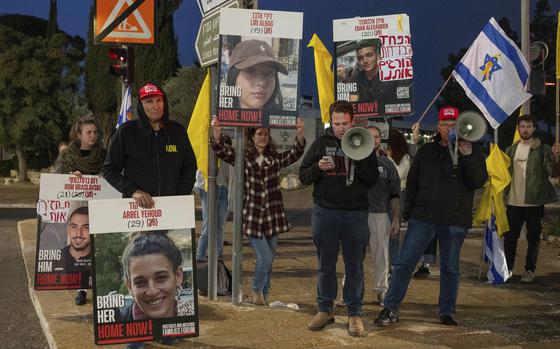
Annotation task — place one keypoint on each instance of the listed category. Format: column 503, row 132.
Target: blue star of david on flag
column 489, row 67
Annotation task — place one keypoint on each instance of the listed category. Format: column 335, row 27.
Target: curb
column 42, row 320
column 18, row 206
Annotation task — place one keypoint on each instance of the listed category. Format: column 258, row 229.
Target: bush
column 7, row 165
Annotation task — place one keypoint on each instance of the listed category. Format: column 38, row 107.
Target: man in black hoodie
column 339, row 217
column 152, row 155
column 438, row 202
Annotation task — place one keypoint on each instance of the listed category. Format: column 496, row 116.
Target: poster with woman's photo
column 259, row 67
column 62, row 259
column 143, row 283
column 373, row 58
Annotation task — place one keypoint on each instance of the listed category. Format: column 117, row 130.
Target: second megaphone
column 471, row 127
column 357, row 143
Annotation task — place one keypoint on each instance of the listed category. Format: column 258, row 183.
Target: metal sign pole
column 237, row 268
column 212, row 199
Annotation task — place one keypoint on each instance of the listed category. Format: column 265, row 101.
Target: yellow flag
column 199, row 125
column 325, row 76
column 499, row 178
column 516, row 136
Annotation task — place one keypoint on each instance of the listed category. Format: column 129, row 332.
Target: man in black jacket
column 339, row 217
column 439, row 202
column 152, row 155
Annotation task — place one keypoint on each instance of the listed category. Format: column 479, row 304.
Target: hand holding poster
column 63, row 241
column 374, row 64
column 259, row 67
column 143, row 282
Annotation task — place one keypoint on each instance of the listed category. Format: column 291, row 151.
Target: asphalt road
column 19, row 327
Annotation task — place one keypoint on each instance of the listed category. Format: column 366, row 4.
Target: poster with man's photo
column 259, row 67
column 63, row 241
column 373, row 58
column 143, row 283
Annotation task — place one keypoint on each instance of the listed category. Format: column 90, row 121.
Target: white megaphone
column 357, row 143
column 470, row 126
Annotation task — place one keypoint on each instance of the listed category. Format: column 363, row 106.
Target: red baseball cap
column 448, row 113
column 150, row 89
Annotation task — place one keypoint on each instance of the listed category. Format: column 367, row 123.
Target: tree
column 38, row 84
column 160, row 61
column 103, row 91
column 182, row 91
column 52, row 27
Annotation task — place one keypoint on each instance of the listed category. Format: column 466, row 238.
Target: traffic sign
column 206, row 6
column 208, row 37
column 124, row 21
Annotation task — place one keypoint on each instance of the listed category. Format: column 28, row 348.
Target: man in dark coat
column 439, row 202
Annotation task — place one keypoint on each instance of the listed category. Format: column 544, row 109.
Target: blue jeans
column 265, row 250
column 394, row 250
column 418, row 236
column 331, row 229
column 222, row 211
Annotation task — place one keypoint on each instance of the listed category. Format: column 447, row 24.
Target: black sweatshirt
column 160, row 163
column 329, row 187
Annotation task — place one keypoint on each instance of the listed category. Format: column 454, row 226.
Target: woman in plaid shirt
column 263, row 209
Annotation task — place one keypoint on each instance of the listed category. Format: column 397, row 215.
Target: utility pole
column 525, row 44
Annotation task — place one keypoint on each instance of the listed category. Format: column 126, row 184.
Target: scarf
column 73, row 160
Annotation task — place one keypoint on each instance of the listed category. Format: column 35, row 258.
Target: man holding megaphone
column 439, row 201
column 339, row 215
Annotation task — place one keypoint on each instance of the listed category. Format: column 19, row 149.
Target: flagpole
column 433, row 100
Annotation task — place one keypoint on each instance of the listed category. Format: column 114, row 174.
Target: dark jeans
column 331, row 229
column 222, row 212
column 532, row 216
column 418, row 236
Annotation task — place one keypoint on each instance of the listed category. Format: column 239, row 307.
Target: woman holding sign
column 252, row 78
column 263, row 209
column 82, row 156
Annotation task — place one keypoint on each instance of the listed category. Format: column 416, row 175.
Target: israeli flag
column 494, row 74
column 494, row 254
column 125, row 113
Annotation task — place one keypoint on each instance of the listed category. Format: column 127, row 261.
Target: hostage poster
column 62, row 259
column 259, row 67
column 143, row 283
column 373, row 58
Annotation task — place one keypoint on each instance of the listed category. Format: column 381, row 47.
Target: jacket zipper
column 157, row 160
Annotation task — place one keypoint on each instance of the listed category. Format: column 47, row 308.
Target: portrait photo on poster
column 143, row 286
column 63, row 258
column 258, row 79
column 374, row 65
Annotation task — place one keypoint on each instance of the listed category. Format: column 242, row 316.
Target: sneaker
column 355, row 326
column 528, row 277
column 448, row 320
column 422, row 271
column 320, row 320
column 258, row 298
column 381, row 297
column 81, row 297
column 386, row 317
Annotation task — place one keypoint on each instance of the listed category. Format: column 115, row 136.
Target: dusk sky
column 438, row 28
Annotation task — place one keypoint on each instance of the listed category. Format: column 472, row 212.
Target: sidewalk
column 514, row 315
